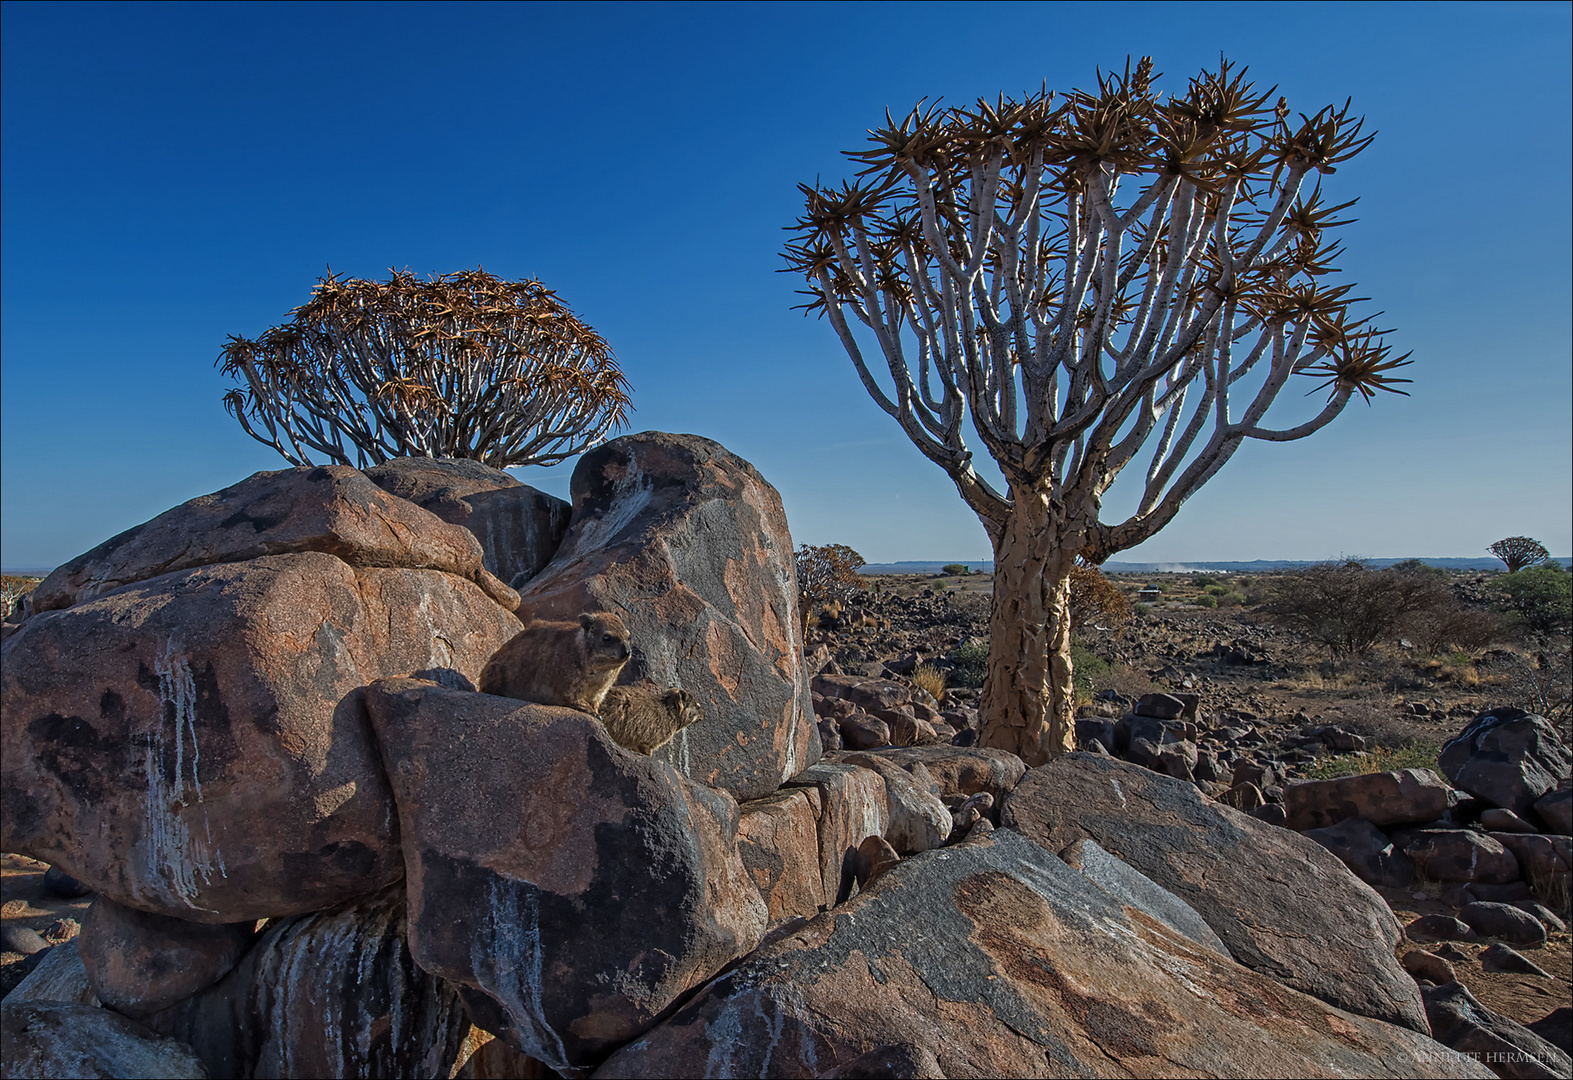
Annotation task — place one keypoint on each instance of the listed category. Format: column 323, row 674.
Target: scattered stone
column 1271, row 813
column 1244, row 796
column 829, row 735
column 1458, row 855
column 962, row 771
column 58, row 976
column 1438, row 928
column 1280, row 903
column 1545, row 915
column 1428, row 966
column 1461, row 1023
column 918, row 818
column 1504, row 922
column 14, row 937
column 1405, row 797
column 52, row 1038
column 139, row 963
column 1099, row 729
column 778, row 840
column 1543, row 859
column 875, row 856
column 1496, row 819
column 1162, row 706
column 1556, row 809
column 1367, row 851
column 1501, row 957
column 630, row 892
column 1556, row 1027
column 688, row 544
column 1061, row 979
column 59, row 883
column 855, row 807
column 1507, row 757
column 860, row 731
column 1505, row 893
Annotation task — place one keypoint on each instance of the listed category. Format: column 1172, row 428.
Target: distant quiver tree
column 1081, row 279
column 459, row 365
column 1519, row 551
column 824, row 574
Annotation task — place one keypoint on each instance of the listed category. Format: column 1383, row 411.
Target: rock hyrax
column 645, row 720
column 560, row 663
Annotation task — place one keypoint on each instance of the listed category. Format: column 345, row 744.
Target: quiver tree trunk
column 1028, row 700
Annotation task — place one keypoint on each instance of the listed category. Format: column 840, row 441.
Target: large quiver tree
column 462, row 365
column 1081, row 280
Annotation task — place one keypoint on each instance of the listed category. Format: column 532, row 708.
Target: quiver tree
column 825, row 573
column 1076, row 281
column 463, row 365
column 1519, row 551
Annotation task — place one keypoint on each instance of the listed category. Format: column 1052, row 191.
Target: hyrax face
column 605, row 640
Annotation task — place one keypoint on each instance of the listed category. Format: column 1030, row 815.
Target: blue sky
column 173, row 174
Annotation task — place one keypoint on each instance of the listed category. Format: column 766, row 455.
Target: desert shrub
column 1539, row 599
column 969, row 662
column 1201, row 581
column 931, row 680
column 954, row 569
column 1231, row 599
column 1215, row 590
column 1087, row 664
column 1096, row 601
column 1206, row 600
column 1349, row 607
column 1452, row 625
column 1141, row 611
column 1414, row 755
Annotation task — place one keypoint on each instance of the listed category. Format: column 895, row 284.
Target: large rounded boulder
column 689, row 545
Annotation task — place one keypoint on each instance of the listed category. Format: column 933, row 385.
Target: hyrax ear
column 586, row 620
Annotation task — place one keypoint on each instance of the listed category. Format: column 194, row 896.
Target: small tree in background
column 1080, row 280
column 1540, row 598
column 1095, row 600
column 1518, row 552
column 464, row 365
column 824, row 574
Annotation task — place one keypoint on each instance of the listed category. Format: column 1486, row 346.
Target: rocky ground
column 1269, row 691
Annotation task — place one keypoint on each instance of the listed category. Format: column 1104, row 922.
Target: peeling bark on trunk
column 1028, row 703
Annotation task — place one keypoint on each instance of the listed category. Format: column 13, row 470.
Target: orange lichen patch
column 726, row 664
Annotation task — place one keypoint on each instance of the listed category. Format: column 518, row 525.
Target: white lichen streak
column 507, row 965
column 630, row 495
column 169, row 850
column 685, row 763
column 1117, row 790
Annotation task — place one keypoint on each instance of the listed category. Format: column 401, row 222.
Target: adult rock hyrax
column 572, row 664
column 644, row 720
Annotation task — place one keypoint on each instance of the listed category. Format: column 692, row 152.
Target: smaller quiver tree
column 462, row 365
column 1519, row 551
column 825, row 574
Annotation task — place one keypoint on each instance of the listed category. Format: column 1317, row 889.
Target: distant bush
column 1201, row 581
column 1087, row 664
column 969, row 662
column 1096, row 601
column 824, row 575
column 1539, row 599
column 1349, row 607
column 954, row 569
column 1141, row 611
column 1231, row 599
column 1414, row 755
column 931, row 680
column 1215, row 590
column 1206, row 600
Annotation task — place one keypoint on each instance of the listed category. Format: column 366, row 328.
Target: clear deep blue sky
column 176, row 173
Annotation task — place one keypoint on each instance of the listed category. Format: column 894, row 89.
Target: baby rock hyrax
column 645, row 720
column 572, row 664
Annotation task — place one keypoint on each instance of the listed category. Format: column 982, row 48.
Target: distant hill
column 1255, row 566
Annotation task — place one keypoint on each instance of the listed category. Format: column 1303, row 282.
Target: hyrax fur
column 572, row 664
column 645, row 720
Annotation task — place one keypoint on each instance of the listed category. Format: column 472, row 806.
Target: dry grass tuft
column 930, row 679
